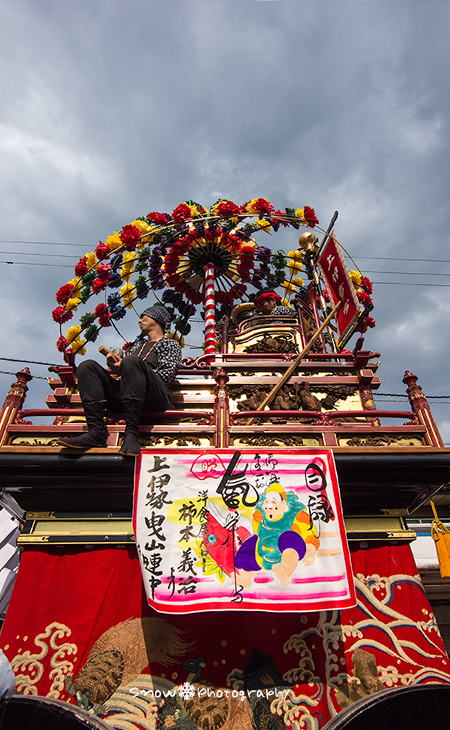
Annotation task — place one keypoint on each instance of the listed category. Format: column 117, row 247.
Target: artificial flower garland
column 168, row 253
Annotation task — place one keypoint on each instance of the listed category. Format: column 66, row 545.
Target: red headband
column 268, row 295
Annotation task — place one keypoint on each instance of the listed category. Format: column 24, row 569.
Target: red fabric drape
column 78, row 622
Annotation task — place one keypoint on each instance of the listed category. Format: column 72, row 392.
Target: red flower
column 104, row 272
column 159, row 219
column 263, row 206
column 226, row 207
column 104, row 315
column 61, row 344
column 182, row 213
column 171, row 263
column 173, row 279
column 310, row 216
column 130, row 237
column 371, row 322
column 60, row 315
column 98, row 285
column 102, row 251
column 280, row 217
column 81, row 267
column 63, row 294
column 364, row 298
column 366, row 284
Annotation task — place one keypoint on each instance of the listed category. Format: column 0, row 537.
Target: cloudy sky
column 110, row 110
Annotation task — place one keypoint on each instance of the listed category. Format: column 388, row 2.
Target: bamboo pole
column 284, row 378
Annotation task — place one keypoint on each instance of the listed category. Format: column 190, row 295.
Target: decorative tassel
column 441, row 536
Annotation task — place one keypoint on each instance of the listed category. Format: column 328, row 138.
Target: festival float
column 252, row 568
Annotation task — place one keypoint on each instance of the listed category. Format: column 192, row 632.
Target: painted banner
column 339, row 285
column 252, row 530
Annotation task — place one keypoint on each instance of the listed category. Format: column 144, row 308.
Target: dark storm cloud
column 112, row 110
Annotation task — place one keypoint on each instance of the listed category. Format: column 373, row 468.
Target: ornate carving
column 280, row 343
column 191, row 363
column 333, row 394
column 18, row 419
column 18, row 441
column 298, row 396
column 272, row 440
column 169, row 440
column 374, row 440
column 367, row 399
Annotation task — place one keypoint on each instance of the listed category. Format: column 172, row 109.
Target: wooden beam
column 284, row 378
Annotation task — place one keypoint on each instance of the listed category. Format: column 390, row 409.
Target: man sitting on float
column 147, row 370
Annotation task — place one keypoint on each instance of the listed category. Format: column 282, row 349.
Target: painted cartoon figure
column 283, row 536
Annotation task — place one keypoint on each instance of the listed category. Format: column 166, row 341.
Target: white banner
column 253, row 530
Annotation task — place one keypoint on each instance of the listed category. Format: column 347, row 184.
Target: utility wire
column 35, row 377
column 393, row 283
column 369, row 258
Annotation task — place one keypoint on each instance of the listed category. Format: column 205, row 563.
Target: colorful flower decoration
column 167, row 254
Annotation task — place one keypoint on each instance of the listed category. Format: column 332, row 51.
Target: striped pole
column 210, row 311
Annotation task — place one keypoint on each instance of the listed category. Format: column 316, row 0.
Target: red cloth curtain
column 78, row 628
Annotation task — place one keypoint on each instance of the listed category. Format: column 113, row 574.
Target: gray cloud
column 110, row 111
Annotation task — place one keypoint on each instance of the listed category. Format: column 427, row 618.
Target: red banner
column 339, row 285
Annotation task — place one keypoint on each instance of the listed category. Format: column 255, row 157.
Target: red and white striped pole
column 210, row 312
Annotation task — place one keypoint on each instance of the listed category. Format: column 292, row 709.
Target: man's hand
column 113, row 362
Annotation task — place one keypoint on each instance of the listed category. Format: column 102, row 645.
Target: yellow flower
column 297, row 255
column 294, row 266
column 91, row 259
column 143, row 226
column 194, row 211
column 247, row 246
column 114, row 241
column 72, row 303
column 127, row 292
column 285, row 303
column 355, row 276
column 263, row 224
column 73, row 332
column 300, row 213
column 78, row 347
column 146, row 231
column 289, row 287
column 298, row 280
column 76, row 283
